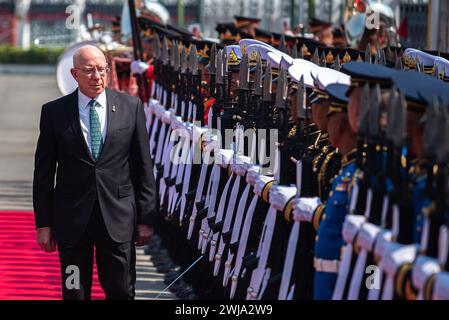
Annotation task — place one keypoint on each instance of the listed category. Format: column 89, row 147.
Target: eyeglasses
column 89, row 71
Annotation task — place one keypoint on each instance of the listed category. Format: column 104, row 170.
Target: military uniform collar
column 348, row 158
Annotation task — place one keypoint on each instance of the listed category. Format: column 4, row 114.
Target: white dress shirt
column 83, row 107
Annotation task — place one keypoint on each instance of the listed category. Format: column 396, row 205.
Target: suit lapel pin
column 113, row 108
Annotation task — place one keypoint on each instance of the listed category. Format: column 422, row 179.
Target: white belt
column 167, row 164
column 212, row 195
column 289, row 261
column 236, row 232
column 264, row 284
column 343, row 272
column 264, row 249
column 322, row 265
column 227, row 222
column 174, row 173
column 242, row 244
column 160, row 143
column 154, row 127
column 357, row 277
column 219, row 218
column 186, row 181
column 204, row 223
column 180, row 172
column 198, row 194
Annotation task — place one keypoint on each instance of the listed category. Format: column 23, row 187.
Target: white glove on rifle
column 303, row 208
column 279, row 196
column 139, row 67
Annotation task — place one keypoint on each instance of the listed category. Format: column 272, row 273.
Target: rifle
column 374, row 160
column 358, row 204
column 137, row 50
column 436, row 152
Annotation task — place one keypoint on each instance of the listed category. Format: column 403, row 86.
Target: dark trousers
column 116, row 263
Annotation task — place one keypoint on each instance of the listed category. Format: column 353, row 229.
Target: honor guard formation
column 294, row 168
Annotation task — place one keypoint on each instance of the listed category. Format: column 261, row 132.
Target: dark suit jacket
column 122, row 178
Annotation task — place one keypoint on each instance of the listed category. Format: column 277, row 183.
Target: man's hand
column 43, row 238
column 143, row 234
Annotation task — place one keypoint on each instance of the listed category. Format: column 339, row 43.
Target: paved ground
column 21, row 98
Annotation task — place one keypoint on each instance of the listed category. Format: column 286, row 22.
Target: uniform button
column 335, row 202
column 316, row 239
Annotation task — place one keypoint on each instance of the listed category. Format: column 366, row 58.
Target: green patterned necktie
column 96, row 142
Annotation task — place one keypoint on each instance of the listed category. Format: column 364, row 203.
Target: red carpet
column 27, row 273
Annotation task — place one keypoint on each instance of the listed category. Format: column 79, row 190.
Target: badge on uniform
column 113, row 108
column 341, row 187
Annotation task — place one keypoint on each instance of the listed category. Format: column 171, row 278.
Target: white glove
column 166, row 117
column 279, row 196
column 383, row 239
column 139, row 67
column 210, row 144
column 176, row 122
column 241, row 165
column 252, row 174
column 423, row 268
column 395, row 256
column 367, row 236
column 351, row 226
column 197, row 132
column 303, row 208
column 260, row 184
column 441, row 286
column 223, row 157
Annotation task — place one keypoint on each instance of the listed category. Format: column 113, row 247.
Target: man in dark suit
column 95, row 142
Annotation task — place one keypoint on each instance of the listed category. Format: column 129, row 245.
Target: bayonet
column 164, row 54
column 281, row 89
column 244, row 73
column 368, row 57
column 267, row 84
column 193, row 59
column 219, row 68
column 184, row 61
column 295, row 52
column 172, row 54
column 258, row 84
column 282, row 45
column 301, row 100
column 156, row 47
column 212, row 60
column 176, row 59
column 316, row 58
column 322, row 60
column 337, row 64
